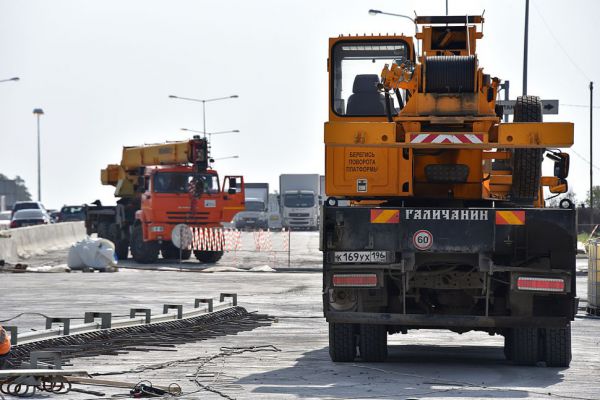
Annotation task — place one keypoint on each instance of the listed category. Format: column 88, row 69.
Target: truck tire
column 525, row 345
column 208, row 257
column 121, row 244
column 102, row 230
column 508, row 346
column 171, row 252
column 373, row 343
column 527, row 163
column 143, row 252
column 557, row 343
column 342, row 342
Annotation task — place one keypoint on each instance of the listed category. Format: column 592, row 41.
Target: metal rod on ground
column 525, row 48
column 591, row 155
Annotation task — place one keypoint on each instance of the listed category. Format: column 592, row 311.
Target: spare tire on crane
column 526, row 163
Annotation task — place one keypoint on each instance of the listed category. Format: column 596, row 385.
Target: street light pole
column 376, row 12
column 38, row 113
column 525, row 48
column 591, row 156
column 204, row 101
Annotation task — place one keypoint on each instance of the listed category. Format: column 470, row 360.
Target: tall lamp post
column 209, row 134
column 525, row 46
column 16, row 78
column 377, row 12
column 225, row 158
column 204, row 101
column 38, row 112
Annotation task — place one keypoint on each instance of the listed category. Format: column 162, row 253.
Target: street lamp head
column 16, row 78
column 173, row 97
column 38, row 111
column 235, row 96
column 235, row 131
column 374, row 12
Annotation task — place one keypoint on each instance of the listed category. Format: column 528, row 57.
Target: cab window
column 355, row 72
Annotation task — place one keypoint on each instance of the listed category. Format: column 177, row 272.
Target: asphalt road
column 423, row 364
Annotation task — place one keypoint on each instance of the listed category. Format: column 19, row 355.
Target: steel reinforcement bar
column 148, row 337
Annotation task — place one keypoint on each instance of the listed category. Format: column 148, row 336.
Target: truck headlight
column 157, row 229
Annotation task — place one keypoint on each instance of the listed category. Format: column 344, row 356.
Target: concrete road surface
column 424, row 364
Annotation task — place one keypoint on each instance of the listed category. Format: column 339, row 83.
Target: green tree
column 596, row 191
column 22, row 191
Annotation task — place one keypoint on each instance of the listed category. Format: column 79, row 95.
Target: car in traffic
column 29, row 217
column 27, row 205
column 71, row 213
column 4, row 219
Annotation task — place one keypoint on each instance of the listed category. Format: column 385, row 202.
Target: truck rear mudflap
column 477, row 268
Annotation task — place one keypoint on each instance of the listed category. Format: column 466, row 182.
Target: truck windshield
column 355, row 73
column 253, row 205
column 299, row 200
column 180, row 182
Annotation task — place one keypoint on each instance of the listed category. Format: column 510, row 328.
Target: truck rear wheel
column 373, row 343
column 527, row 163
column 102, row 230
column 342, row 342
column 143, row 252
column 208, row 257
column 557, row 349
column 525, row 345
column 121, row 244
column 170, row 251
column 508, row 346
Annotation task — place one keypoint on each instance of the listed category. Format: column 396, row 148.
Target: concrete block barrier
column 22, row 243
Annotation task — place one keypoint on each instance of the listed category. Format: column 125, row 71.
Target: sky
column 102, row 71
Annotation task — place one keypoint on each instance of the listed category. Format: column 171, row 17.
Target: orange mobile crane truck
column 447, row 226
column 160, row 187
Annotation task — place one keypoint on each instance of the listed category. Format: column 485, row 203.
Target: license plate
column 360, row 257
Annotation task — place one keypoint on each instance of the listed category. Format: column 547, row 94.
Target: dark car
column 27, row 205
column 72, row 213
column 28, row 217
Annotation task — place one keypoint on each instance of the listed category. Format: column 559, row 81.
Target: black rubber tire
column 373, row 343
column 508, row 346
column 527, row 163
column 170, row 252
column 143, row 252
column 557, row 346
column 525, row 345
column 208, row 257
column 450, row 74
column 121, row 244
column 102, row 230
column 342, row 342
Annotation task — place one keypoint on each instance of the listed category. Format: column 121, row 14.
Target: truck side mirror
column 561, row 164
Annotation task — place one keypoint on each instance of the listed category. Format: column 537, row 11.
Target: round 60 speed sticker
column 422, row 240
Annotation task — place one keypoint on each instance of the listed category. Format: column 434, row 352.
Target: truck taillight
column 13, row 224
column 355, row 280
column 540, row 284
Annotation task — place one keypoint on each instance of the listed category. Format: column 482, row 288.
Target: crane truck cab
column 447, row 226
column 161, row 187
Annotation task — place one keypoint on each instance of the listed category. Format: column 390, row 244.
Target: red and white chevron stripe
column 441, row 138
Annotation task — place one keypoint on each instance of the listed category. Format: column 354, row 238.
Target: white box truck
column 255, row 216
column 299, row 200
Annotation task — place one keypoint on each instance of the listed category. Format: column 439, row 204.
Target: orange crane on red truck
column 161, row 187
